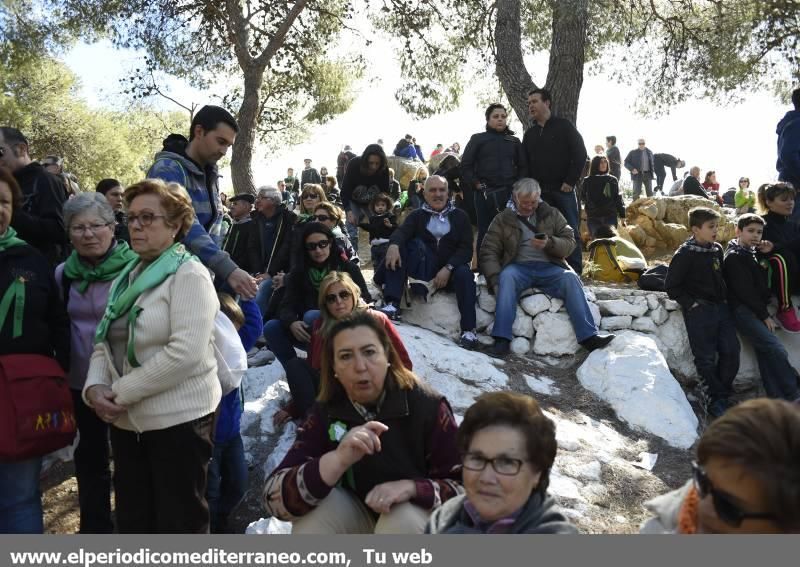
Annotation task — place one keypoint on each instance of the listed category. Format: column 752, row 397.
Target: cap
column 348, row 148
column 249, row 197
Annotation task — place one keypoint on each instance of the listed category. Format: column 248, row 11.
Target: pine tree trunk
column 242, row 154
column 510, row 66
column 567, row 56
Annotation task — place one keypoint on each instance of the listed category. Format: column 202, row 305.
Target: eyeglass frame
column 138, row 218
column 80, row 230
column 727, row 510
column 321, row 244
column 305, row 196
column 323, row 218
column 517, row 462
column 343, row 295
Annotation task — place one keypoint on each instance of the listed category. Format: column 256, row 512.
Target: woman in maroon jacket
column 339, row 296
column 377, row 454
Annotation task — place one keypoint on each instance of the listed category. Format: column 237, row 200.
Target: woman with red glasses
column 746, row 478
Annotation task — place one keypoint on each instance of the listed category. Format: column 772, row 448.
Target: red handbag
column 36, row 412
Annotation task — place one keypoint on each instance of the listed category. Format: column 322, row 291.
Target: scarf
column 441, row 215
column 687, row 515
column 124, row 293
column 692, row 245
column 735, row 248
column 15, row 294
column 316, row 276
column 108, row 269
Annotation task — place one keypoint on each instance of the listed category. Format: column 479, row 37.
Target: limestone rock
column 556, row 304
column 520, row 345
column 554, row 335
column 483, row 319
column 622, row 307
column 523, row 324
column 595, row 313
column 439, row 314
column 644, row 324
column 676, row 349
column 649, row 210
column 671, row 305
column 632, row 376
column 652, row 301
column 535, row 304
column 659, row 315
column 615, row 322
column 486, row 301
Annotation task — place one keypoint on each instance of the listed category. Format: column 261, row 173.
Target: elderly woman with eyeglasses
column 85, row 280
column 508, row 447
column 745, row 479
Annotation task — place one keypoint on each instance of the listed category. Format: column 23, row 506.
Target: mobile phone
column 540, row 236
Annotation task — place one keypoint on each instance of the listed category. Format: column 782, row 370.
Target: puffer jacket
column 494, row 158
column 501, row 243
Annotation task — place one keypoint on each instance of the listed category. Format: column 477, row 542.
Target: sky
column 737, row 140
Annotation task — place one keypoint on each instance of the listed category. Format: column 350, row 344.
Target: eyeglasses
column 641, row 143
column 144, row 219
column 501, row 465
column 309, row 196
column 322, row 245
column 343, row 295
column 93, row 228
column 323, row 218
column 727, row 510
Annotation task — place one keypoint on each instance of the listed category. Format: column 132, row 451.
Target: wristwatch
column 449, row 267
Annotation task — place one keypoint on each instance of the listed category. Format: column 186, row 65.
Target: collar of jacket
column 395, row 405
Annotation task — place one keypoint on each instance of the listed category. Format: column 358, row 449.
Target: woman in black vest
column 377, row 453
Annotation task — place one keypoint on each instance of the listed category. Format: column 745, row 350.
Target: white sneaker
column 261, row 358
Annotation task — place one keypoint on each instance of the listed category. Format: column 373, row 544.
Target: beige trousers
column 342, row 512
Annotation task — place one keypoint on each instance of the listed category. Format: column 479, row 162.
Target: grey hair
column 526, row 186
column 435, row 178
column 271, row 193
column 89, row 202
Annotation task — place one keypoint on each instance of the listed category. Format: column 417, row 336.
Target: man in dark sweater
column 696, row 282
column 692, row 186
column 241, row 240
column 749, row 294
column 661, row 162
column 39, row 221
column 614, row 157
column 556, row 156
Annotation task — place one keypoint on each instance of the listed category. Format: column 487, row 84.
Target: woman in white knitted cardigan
column 153, row 373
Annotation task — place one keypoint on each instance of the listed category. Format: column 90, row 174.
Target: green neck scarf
column 83, row 274
column 15, row 294
column 9, row 240
column 316, row 275
column 124, row 293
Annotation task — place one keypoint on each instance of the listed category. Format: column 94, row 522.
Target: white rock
column 652, row 301
column 483, row 319
column 554, row 335
column 267, row 526
column 644, row 324
column 632, row 375
column 541, row 385
column 675, row 345
column 671, row 304
column 556, row 304
column 523, row 325
column 589, row 471
column 520, row 345
column 535, row 304
column 563, row 486
column 595, row 313
column 485, row 340
column 622, row 307
column 439, row 314
column 590, row 296
column 486, row 301
column 659, row 315
column 616, row 322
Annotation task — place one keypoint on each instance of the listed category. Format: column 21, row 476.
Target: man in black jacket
column 556, row 156
column 661, row 162
column 433, row 245
column 241, row 241
column 692, row 186
column 39, row 221
column 614, row 157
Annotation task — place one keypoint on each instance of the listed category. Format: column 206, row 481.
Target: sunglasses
column 309, row 196
column 322, row 244
column 323, row 218
column 343, row 295
column 727, row 510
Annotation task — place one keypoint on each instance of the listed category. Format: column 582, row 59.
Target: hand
column 259, row 277
column 360, row 441
column 566, row 188
column 387, row 223
column 101, row 398
column 243, row 283
column 442, row 278
column 300, row 331
column 393, row 260
column 540, row 243
column 635, row 171
column 277, row 280
column 765, row 246
column 383, row 496
column 351, row 218
column 770, row 324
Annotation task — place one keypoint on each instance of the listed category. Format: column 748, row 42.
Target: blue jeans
column 553, row 280
column 567, row 203
column 227, row 480
column 777, row 373
column 263, row 295
column 20, row 498
column 280, row 339
column 487, row 205
column 712, row 337
column 358, row 211
column 593, row 223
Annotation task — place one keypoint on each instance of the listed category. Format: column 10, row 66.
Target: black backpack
column 652, row 279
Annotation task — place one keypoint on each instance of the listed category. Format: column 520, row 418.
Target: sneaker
column 788, row 320
column 391, row 311
column 469, row 340
column 500, row 348
column 261, row 358
column 597, row 341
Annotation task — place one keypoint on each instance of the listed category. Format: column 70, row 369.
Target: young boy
column 696, row 282
column 381, row 225
column 749, row 295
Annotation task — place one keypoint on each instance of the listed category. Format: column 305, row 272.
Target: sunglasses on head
column 322, row 244
column 727, row 510
column 331, row 298
column 322, row 218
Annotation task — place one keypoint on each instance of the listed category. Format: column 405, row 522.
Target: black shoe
column 469, row 340
column 597, row 341
column 500, row 348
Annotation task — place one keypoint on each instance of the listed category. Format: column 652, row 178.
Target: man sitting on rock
column 525, row 247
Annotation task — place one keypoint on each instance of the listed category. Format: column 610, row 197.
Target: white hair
column 89, row 202
column 526, row 186
column 271, row 193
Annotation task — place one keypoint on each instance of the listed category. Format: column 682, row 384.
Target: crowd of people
column 130, row 312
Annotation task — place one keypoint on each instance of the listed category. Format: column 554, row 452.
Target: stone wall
column 542, row 326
